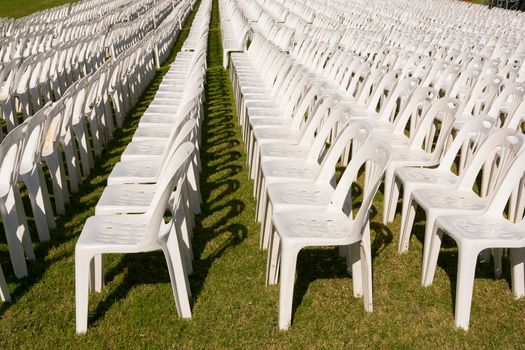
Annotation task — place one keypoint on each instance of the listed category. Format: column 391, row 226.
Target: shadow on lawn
column 448, row 259
column 222, row 162
column 315, row 263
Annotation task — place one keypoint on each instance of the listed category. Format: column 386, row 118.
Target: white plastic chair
column 495, row 157
column 30, row 172
column 52, row 156
column 11, row 207
column 466, row 143
column 295, row 230
column 130, row 233
column 475, row 233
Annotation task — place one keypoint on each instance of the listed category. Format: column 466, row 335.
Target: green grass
column 21, row 8
column 232, row 308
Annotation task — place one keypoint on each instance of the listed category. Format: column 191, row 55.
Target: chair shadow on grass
column 448, row 259
column 322, row 263
column 222, row 161
column 82, row 204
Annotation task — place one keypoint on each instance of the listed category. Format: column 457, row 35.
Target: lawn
column 20, row 8
column 232, row 308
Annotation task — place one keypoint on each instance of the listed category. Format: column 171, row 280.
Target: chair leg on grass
column 287, row 277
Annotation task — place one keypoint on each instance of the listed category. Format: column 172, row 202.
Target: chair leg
column 96, row 273
column 37, row 205
column 389, row 177
column 82, row 264
column 84, row 149
column 185, row 245
column 73, row 169
column 266, row 226
column 23, row 228
column 287, row 277
column 394, row 198
column 366, row 270
column 16, row 248
column 408, row 215
column 178, row 277
column 435, row 246
column 60, row 191
column 4, row 292
column 497, row 254
column 429, row 229
column 273, row 259
column 467, row 257
column 354, row 263
column 263, row 198
column 517, row 262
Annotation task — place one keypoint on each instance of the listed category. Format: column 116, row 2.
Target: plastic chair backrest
column 355, row 134
column 176, row 166
column 11, row 150
column 498, row 152
column 37, row 127
column 375, row 155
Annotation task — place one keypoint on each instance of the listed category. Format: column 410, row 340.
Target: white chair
column 425, row 147
column 466, row 143
column 52, row 155
column 7, row 93
column 295, row 230
column 31, row 174
column 130, row 233
column 475, row 233
column 11, row 207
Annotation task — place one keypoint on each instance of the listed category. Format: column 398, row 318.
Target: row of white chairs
column 414, row 103
column 158, row 172
column 78, row 126
column 27, row 85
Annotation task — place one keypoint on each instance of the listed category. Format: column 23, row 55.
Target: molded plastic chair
column 129, row 233
column 466, row 144
column 30, row 172
column 295, row 230
column 11, row 207
column 475, row 233
column 495, row 157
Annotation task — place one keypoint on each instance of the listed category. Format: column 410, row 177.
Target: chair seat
column 151, row 132
column 276, row 134
column 314, row 227
column 287, row 196
column 283, row 150
column 113, row 233
column 483, row 229
column 262, row 122
column 411, row 156
column 426, row 176
column 290, row 170
column 128, row 198
column 452, row 199
column 144, row 149
column 162, row 120
column 135, row 171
